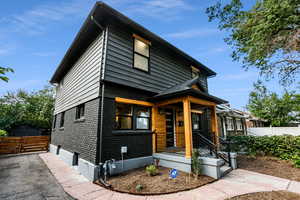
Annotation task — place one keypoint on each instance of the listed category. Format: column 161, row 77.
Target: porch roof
column 186, row 89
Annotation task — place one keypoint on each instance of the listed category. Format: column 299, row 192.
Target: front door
column 170, row 127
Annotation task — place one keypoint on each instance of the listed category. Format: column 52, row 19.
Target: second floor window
column 79, row 111
column 141, row 54
column 62, row 120
column 195, row 72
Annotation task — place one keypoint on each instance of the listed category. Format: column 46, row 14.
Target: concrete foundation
column 211, row 167
column 174, row 161
column 87, row 169
column 130, row 164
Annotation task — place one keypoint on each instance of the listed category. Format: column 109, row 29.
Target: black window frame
column 135, row 52
column 54, row 121
column 80, row 111
column 123, row 115
column 62, row 120
column 134, row 117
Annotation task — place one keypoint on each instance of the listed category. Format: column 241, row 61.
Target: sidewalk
column 236, row 183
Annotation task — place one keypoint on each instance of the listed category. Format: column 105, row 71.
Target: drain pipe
column 102, row 71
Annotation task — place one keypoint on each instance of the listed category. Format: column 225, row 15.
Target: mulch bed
column 274, row 195
column 154, row 185
column 269, row 165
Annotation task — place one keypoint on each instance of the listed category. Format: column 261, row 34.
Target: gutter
column 102, row 86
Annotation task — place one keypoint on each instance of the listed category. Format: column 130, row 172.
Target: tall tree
column 266, row 36
column 277, row 110
column 27, row 108
column 3, row 71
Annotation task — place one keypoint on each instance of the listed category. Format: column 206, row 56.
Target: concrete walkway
column 238, row 182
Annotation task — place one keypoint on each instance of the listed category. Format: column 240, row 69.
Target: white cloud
column 35, row 20
column 193, row 33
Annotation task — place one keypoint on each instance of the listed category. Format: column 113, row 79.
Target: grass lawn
column 274, row 195
column 158, row 184
column 269, row 165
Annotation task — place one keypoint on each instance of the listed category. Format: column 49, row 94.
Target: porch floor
column 178, row 151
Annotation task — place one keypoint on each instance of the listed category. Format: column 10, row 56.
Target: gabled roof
column 106, row 15
column 186, row 88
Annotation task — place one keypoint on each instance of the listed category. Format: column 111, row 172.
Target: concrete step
column 225, row 169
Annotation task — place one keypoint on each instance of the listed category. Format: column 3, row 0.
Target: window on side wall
column 80, row 111
column 141, row 53
column 54, row 121
column 62, row 120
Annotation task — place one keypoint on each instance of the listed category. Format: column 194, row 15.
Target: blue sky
column 35, row 34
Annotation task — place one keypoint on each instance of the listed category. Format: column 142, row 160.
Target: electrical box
column 124, row 149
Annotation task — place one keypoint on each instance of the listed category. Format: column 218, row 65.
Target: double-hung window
column 141, row 53
column 124, row 115
column 230, row 125
column 54, row 122
column 62, row 120
column 79, row 111
column 239, row 124
column 195, row 72
column 132, row 117
column 142, row 118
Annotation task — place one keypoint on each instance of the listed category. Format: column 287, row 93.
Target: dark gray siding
column 165, row 70
column 139, row 144
column 80, row 137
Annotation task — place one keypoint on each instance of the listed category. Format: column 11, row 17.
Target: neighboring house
column 231, row 121
column 253, row 122
column 125, row 95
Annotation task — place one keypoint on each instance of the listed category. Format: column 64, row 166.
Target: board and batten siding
column 81, row 83
column 165, row 70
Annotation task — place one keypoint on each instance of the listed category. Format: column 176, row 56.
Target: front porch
column 179, row 125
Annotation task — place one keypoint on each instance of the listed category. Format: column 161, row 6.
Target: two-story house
column 125, row 96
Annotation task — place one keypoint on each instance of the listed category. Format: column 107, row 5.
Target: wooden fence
column 13, row 145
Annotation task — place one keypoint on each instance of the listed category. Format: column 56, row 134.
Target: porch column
column 187, row 128
column 214, row 124
column 154, row 121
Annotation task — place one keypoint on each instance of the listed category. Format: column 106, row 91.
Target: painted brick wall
column 80, row 137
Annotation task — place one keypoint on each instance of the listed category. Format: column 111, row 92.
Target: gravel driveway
column 27, row 177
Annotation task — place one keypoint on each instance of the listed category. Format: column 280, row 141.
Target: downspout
column 102, row 72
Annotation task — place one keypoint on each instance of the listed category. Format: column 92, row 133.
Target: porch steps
column 225, row 169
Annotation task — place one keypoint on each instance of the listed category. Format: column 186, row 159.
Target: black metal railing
column 214, row 149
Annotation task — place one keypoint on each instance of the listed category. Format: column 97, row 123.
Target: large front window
column 132, row 117
column 141, row 54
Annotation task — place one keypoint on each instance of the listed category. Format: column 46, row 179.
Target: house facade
column 231, row 122
column 125, row 96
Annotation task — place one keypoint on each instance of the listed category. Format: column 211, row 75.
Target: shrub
column 139, row 187
column 3, row 133
column 151, row 170
column 285, row 147
column 196, row 164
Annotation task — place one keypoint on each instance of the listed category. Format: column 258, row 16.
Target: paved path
column 238, row 182
column 27, row 177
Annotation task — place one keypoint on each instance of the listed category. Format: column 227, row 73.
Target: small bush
column 139, row 187
column 151, row 170
column 285, row 147
column 196, row 164
column 3, row 133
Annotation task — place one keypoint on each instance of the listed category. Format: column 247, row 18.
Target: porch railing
column 214, row 149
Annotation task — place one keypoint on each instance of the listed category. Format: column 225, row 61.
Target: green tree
column 265, row 36
column 277, row 110
column 3, row 71
column 27, row 108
